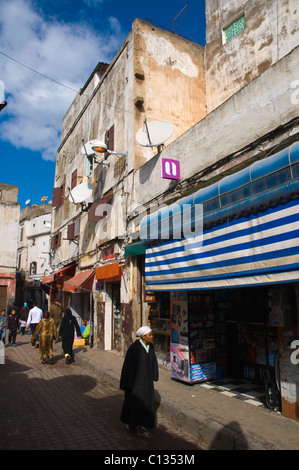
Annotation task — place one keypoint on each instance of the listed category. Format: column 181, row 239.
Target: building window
column 89, row 165
column 33, row 267
column 120, row 166
column 74, row 179
column 58, row 196
column 56, row 241
column 109, row 138
column 233, row 29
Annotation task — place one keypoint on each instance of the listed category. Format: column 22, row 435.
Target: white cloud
column 64, row 52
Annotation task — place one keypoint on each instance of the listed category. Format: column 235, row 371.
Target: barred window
column 233, row 29
column 119, row 166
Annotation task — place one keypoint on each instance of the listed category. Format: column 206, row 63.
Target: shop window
column 159, row 320
column 233, row 29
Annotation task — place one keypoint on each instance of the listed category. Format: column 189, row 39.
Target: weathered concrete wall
column 172, row 85
column 9, row 220
column 271, row 32
column 261, row 106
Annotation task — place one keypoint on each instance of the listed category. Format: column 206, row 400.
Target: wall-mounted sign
column 170, row 169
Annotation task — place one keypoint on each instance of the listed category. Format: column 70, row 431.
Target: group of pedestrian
column 58, row 324
column 140, row 368
column 11, row 323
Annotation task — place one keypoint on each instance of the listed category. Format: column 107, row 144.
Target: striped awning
column 259, row 248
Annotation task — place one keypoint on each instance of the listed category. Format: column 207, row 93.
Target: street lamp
column 100, row 147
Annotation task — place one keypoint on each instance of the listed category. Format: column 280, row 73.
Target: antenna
column 178, row 16
column 154, row 134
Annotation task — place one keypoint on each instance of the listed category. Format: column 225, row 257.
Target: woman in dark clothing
column 66, row 332
column 139, row 370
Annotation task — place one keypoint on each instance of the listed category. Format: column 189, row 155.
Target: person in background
column 56, row 311
column 3, row 324
column 34, row 317
column 66, row 332
column 47, row 332
column 24, row 317
column 12, row 325
column 139, row 370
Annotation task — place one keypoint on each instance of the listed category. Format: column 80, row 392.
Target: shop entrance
column 116, row 316
column 246, row 344
column 159, row 321
column 3, row 297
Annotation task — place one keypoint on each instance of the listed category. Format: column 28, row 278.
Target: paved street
column 62, row 406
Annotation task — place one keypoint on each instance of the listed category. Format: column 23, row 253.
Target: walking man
column 34, row 317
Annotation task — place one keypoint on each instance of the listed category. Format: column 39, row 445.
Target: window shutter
column 56, row 197
column 53, row 242
column 74, row 179
column 58, row 239
column 111, row 138
column 70, row 231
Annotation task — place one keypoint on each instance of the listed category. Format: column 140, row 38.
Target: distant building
column 9, row 221
column 33, row 253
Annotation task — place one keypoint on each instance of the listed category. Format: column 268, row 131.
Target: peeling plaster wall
column 271, row 32
column 173, row 83
column 261, row 106
column 9, row 222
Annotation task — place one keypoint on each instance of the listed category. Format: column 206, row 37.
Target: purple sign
column 170, row 169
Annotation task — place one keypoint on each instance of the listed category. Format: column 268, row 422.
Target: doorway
column 116, row 316
column 3, row 297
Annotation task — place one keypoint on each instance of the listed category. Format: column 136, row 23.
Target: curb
column 209, row 432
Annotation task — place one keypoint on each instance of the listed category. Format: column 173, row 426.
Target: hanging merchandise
column 193, row 345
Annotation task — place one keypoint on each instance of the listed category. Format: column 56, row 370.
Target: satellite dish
column 87, row 148
column 81, row 193
column 154, row 133
column 43, row 199
column 27, row 202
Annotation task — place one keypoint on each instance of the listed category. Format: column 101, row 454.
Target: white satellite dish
column 154, row 133
column 81, row 193
column 27, row 202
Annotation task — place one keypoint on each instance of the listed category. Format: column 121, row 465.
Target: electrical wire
column 39, row 73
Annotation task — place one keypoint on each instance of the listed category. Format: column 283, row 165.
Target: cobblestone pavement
column 60, row 406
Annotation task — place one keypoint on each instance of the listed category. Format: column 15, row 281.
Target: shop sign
column 170, row 169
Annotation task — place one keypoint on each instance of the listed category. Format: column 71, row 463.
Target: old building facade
column 9, row 220
column 237, row 133
column 33, row 254
column 155, row 76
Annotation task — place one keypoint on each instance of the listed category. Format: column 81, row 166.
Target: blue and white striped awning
column 247, row 232
column 260, row 248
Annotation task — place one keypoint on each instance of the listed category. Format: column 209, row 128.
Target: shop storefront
column 159, row 321
column 78, row 296
column 233, row 284
column 109, row 308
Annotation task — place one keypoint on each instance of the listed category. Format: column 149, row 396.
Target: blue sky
column 62, row 40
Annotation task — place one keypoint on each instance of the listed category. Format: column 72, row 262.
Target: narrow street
column 59, row 406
